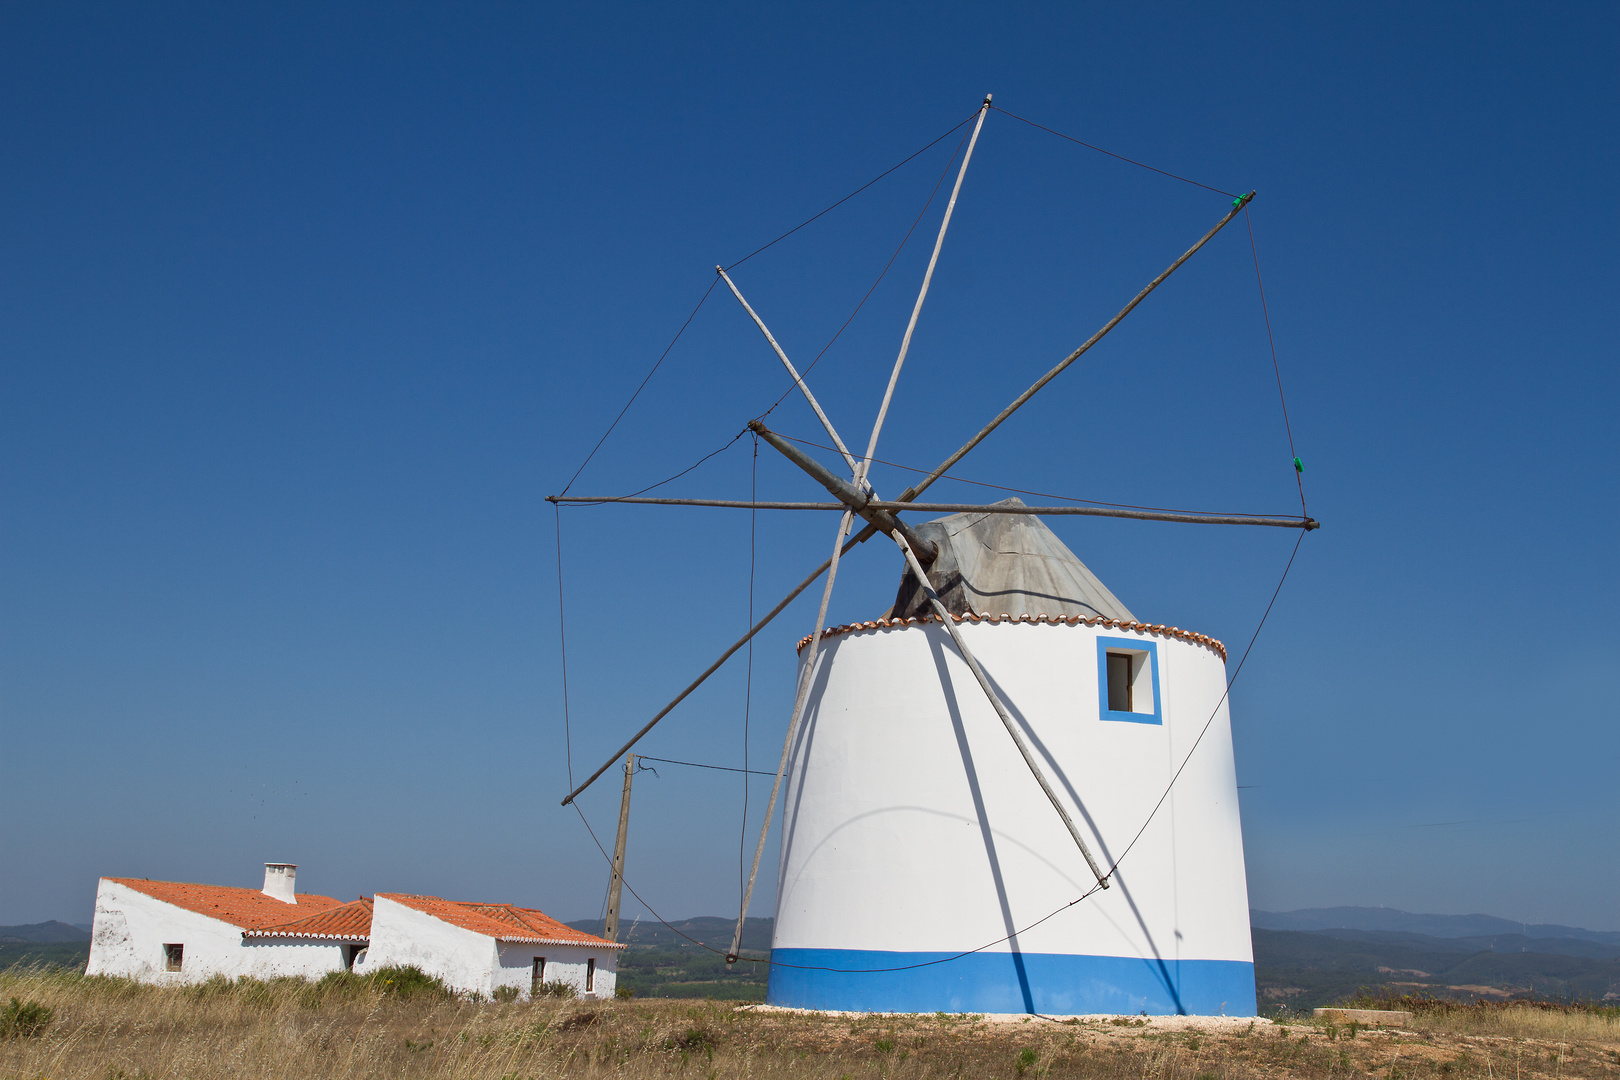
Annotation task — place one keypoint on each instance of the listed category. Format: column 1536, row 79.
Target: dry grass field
column 106, row 1029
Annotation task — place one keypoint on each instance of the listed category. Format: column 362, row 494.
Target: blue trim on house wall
column 999, row 982
column 1128, row 645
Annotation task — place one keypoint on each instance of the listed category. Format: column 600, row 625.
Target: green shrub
column 505, row 993
column 406, row 982
column 559, row 989
column 695, row 1038
column 340, row 985
column 623, row 992
column 23, row 1020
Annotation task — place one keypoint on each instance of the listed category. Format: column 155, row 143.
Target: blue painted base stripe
column 987, row 982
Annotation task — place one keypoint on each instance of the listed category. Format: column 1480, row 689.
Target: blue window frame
column 1128, row 681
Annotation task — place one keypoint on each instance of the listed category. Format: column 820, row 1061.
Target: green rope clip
column 1298, row 467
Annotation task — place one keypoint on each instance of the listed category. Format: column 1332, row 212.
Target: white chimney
column 278, row 881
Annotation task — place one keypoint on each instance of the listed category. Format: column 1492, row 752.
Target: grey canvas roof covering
column 1005, row 564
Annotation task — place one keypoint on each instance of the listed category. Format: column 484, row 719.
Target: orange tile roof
column 346, row 922
column 248, row 908
column 503, row 922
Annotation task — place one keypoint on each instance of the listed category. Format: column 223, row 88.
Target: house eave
column 515, row 940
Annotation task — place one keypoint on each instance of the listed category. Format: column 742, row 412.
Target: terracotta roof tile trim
column 503, row 922
column 1052, row 620
column 348, row 922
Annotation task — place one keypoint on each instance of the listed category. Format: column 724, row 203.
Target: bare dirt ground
column 113, row 1030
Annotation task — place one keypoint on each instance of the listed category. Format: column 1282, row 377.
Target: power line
column 700, row 765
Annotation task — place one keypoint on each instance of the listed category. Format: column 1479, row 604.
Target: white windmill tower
column 1045, row 733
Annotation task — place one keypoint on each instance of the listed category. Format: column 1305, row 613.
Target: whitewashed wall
column 564, row 963
column 912, row 828
column 472, row 963
column 131, row 928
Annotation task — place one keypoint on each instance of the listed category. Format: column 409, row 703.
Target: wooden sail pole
column 858, row 489
column 1000, row 708
column 800, row 696
column 610, row 928
column 792, row 371
column 922, row 294
column 857, row 499
column 1192, row 517
column 1018, row 402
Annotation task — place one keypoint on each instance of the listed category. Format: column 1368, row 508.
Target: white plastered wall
column 131, row 929
column 472, row 963
column 911, row 824
column 564, row 963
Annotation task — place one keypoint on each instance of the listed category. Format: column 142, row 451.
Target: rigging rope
column 750, row 255
column 1299, row 469
column 1021, row 491
column 852, row 194
column 886, row 267
column 640, row 388
column 1110, row 153
column 562, row 641
column 695, row 464
column 748, row 684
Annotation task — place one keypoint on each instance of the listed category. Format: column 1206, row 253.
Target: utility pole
column 611, row 930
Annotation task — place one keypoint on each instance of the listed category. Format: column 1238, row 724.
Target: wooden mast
column 610, row 929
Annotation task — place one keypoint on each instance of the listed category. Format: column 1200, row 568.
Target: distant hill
column 1302, row 970
column 42, row 933
column 711, row 930
column 664, row 962
column 1439, row 926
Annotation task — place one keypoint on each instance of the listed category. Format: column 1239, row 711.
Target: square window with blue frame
column 1128, row 680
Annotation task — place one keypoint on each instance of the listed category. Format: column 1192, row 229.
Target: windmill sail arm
column 1001, row 710
column 860, row 502
column 798, row 380
column 1190, row 517
column 859, row 538
column 911, row 493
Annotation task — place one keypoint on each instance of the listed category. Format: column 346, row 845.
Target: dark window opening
column 351, row 953
column 590, row 975
column 172, row 955
column 1120, row 698
column 537, row 977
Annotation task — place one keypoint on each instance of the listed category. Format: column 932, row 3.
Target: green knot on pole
column 1238, row 203
column 1298, row 467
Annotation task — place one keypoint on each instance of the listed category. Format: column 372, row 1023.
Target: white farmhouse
column 482, row 948
column 176, row 932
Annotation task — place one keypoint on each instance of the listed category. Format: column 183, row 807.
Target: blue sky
column 306, row 309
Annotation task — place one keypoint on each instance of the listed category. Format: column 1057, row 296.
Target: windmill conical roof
column 1005, row 564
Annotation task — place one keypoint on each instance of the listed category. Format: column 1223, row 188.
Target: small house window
column 1119, row 682
column 537, row 977
column 590, row 975
column 172, row 955
column 351, row 954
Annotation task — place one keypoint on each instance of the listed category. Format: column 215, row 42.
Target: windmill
column 1046, row 732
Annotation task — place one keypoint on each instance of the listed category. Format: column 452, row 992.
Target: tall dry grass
column 110, row 1029
column 1538, row 1020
